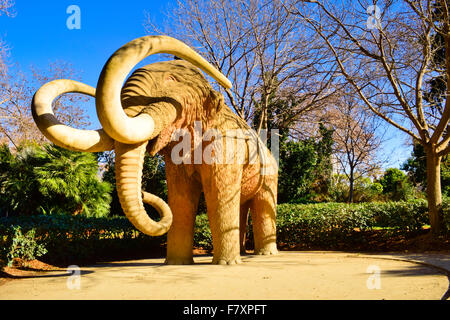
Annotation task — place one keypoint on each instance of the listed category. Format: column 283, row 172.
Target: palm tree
column 50, row 179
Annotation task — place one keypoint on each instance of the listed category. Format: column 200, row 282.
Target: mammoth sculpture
column 142, row 114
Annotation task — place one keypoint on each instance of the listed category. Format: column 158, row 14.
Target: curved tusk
column 108, row 99
column 58, row 133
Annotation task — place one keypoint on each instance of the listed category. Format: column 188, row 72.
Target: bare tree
column 260, row 46
column 356, row 139
column 4, row 54
column 16, row 92
column 7, row 7
column 386, row 50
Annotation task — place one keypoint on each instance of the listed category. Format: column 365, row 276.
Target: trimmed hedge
column 329, row 224
column 75, row 239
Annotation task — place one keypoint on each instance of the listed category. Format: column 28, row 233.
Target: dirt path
column 287, row 276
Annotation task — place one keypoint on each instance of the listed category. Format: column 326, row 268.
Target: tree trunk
column 434, row 194
column 352, row 186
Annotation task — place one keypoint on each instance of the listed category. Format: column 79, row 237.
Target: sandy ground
column 287, row 276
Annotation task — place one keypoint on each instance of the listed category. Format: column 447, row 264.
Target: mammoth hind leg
column 263, row 211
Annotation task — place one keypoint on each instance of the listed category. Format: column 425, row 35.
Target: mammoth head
column 175, row 94
column 131, row 115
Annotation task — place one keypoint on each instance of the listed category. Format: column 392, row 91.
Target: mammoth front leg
column 184, row 194
column 222, row 189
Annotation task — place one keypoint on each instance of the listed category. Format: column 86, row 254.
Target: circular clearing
column 287, row 276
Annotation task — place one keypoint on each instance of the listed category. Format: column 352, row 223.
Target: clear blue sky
column 39, row 35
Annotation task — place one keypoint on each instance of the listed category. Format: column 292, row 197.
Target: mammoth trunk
column 129, row 164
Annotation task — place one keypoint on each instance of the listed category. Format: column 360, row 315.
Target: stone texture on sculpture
column 157, row 103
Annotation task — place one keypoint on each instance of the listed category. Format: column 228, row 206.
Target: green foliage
column 78, row 239
column 296, row 174
column 367, row 191
column 376, row 188
column 364, row 190
column 70, row 183
column 332, row 225
column 437, row 85
column 445, row 176
column 392, row 179
column 154, row 176
column 397, row 185
column 21, row 246
column 324, row 166
column 305, row 165
column 51, row 179
column 339, row 189
column 329, row 224
column 305, row 169
column 19, row 190
column 416, row 166
column 202, row 232
column 446, row 214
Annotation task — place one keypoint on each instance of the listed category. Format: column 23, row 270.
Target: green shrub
column 397, row 186
column 403, row 216
column 376, row 188
column 76, row 239
column 328, row 224
column 319, row 224
column 49, row 179
column 21, row 246
column 202, row 232
column 364, row 189
column 305, row 168
column 446, row 215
